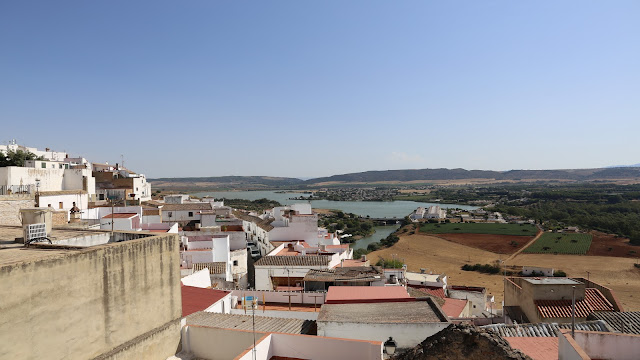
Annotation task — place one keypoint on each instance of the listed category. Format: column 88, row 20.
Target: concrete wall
column 309, row 298
column 10, row 209
column 304, row 315
column 118, row 300
column 406, row 335
column 600, row 345
column 478, row 300
column 213, row 344
column 568, row 349
column 222, row 306
column 199, row 279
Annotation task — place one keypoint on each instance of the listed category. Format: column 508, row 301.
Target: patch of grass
column 555, row 243
column 480, row 228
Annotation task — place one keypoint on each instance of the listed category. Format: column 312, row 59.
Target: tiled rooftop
column 593, row 301
column 383, row 313
column 536, row 348
column 263, row 224
column 435, row 291
column 453, row 307
column 120, row 216
column 626, row 322
column 303, row 260
column 366, row 294
column 244, row 322
column 186, row 207
column 544, row 329
column 357, row 273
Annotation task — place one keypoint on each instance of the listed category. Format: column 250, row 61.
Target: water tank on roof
column 37, row 216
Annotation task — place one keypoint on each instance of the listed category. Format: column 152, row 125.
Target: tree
column 17, row 158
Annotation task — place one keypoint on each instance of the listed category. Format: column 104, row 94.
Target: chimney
column 363, row 258
column 46, row 149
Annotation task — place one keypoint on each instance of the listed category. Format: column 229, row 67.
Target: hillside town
column 93, row 266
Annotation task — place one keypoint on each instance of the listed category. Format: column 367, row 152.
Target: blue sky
column 302, row 88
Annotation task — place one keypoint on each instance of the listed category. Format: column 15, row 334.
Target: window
column 235, row 262
column 190, row 213
column 101, row 196
column 60, row 205
column 43, row 165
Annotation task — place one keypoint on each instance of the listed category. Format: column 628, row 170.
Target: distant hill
column 398, row 176
column 462, row 174
column 226, row 182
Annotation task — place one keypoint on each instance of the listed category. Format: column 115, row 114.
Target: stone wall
column 10, row 206
column 113, row 301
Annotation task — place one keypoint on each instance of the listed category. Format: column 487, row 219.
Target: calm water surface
column 376, row 209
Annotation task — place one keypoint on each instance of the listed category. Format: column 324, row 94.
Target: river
column 374, row 209
column 381, row 233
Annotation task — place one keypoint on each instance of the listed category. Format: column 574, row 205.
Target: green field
column 480, row 228
column 555, row 243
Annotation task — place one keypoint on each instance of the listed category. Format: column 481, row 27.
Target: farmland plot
column 557, row 243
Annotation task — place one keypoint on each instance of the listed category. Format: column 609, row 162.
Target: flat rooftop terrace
column 551, row 281
column 64, row 240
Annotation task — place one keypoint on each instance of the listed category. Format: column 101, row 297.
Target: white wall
column 120, row 224
column 199, row 279
column 309, row 298
column 222, row 306
column 217, row 344
column 406, row 335
column 609, row 345
column 263, row 274
column 67, row 200
column 478, row 300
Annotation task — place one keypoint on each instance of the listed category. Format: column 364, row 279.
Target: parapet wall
column 118, row 300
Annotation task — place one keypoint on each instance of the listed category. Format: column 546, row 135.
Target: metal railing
column 17, row 189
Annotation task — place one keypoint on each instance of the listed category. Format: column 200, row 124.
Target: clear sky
column 315, row 88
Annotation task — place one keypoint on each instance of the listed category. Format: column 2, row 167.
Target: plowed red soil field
column 609, row 245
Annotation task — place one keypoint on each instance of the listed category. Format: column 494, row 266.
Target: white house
column 288, row 264
column 183, row 213
column 285, row 223
column 208, row 249
column 407, row 322
column 122, row 221
column 63, row 200
column 480, row 301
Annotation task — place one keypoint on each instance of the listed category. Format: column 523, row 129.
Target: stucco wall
column 10, row 210
column 406, row 335
column 95, row 301
column 214, row 344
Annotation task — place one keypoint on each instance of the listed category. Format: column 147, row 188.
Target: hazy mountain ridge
column 411, row 175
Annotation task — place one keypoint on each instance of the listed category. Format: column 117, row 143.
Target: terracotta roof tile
column 366, row 294
column 435, row 291
column 453, row 307
column 120, row 216
column 214, row 267
column 593, row 301
column 538, row 348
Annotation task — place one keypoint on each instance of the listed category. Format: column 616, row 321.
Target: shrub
column 559, row 273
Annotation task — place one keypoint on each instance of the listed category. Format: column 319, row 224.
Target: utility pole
column 573, row 313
